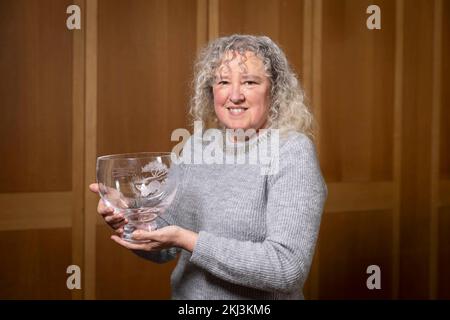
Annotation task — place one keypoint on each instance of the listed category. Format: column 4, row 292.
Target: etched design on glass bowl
column 141, row 186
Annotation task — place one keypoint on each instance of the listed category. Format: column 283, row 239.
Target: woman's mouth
column 236, row 110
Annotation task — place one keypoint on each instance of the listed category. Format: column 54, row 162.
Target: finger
column 94, row 187
column 103, row 209
column 114, row 218
column 129, row 245
column 123, row 203
column 156, row 235
column 118, row 225
column 143, row 235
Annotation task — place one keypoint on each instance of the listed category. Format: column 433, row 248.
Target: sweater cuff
column 203, row 253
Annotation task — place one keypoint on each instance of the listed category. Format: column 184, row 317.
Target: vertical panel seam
column 398, row 101
column 435, row 139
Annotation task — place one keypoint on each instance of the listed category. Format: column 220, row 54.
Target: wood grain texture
column 144, row 73
column 444, row 193
column 435, row 142
column 27, row 211
column 249, row 17
column 443, row 284
column 415, row 199
column 357, row 92
column 349, row 243
column 90, row 154
column 346, row 197
column 123, row 275
column 213, row 19
column 397, row 142
column 78, row 144
column 36, row 264
column 202, row 24
column 282, row 21
column 35, row 96
column 444, row 151
column 146, row 51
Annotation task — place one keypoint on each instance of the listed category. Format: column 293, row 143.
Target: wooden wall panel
column 249, row 17
column 291, row 26
column 310, row 289
column 415, row 199
column 146, row 51
column 35, row 96
column 145, row 56
column 445, row 110
column 443, row 291
column 349, row 243
column 34, row 264
column 123, row 275
column 281, row 20
column 357, row 92
column 35, row 147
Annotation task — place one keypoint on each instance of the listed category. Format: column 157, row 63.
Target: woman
column 242, row 234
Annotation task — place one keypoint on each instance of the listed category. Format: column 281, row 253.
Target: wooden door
column 36, row 185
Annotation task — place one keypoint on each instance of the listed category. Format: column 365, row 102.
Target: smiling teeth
column 236, row 110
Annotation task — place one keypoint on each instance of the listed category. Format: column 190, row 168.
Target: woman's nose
column 236, row 96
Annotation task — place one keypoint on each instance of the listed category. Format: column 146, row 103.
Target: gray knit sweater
column 257, row 233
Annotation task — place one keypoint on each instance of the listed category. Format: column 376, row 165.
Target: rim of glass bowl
column 135, row 155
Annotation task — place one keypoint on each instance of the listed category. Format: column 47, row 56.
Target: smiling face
column 242, row 92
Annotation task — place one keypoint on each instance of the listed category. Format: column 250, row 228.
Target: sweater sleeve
column 296, row 197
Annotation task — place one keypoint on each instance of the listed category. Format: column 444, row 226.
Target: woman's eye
column 223, row 82
column 250, row 82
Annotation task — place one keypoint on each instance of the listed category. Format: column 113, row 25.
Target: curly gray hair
column 288, row 111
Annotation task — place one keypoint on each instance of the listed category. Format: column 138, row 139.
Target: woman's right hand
column 114, row 220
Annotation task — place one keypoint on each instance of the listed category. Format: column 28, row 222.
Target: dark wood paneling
column 291, row 33
column 357, row 92
column 445, row 83
column 415, row 201
column 309, row 289
column 282, row 21
column 349, row 243
column 444, row 213
column 444, row 254
column 123, row 275
column 249, row 17
column 35, row 96
column 145, row 56
column 34, row 264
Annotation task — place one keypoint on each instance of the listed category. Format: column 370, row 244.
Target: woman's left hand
column 167, row 237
